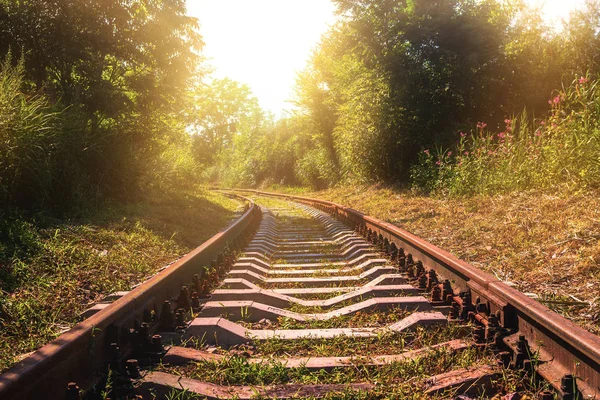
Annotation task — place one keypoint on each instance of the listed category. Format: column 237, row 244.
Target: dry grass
column 545, row 243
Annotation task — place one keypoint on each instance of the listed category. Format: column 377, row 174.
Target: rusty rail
column 82, row 353
column 561, row 351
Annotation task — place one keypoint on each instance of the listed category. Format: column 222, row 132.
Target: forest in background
column 111, row 99
column 459, row 97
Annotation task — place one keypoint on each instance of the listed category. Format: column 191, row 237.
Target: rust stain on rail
column 82, row 353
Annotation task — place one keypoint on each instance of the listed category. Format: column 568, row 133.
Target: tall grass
column 561, row 150
column 28, row 138
column 56, row 161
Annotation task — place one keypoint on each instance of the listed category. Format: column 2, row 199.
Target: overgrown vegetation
column 391, row 80
column 98, row 170
column 562, row 150
column 93, row 101
column 51, row 270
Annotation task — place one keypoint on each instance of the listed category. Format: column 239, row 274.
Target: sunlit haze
column 556, row 10
column 264, row 43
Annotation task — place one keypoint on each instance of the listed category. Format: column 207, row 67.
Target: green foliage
column 393, row 78
column 28, row 139
column 562, row 150
column 96, row 108
column 219, row 110
column 52, row 269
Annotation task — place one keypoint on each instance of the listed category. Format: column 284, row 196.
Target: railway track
column 302, row 298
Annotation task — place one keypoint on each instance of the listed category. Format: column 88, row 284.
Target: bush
column 529, row 153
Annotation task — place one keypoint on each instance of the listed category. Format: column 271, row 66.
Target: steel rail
column 560, row 348
column 82, row 353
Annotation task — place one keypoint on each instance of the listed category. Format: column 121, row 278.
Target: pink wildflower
column 426, row 151
column 449, row 153
column 508, row 121
column 466, row 153
column 583, row 80
column 438, row 162
column 542, row 122
column 462, row 134
column 501, row 135
column 481, row 125
column 538, row 133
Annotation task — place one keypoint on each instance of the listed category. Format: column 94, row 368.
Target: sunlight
column 556, row 10
column 262, row 43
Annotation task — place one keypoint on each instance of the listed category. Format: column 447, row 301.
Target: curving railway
column 303, row 298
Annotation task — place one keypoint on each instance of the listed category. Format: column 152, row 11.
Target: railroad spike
column 432, row 281
column 195, row 301
column 453, row 314
column 479, row 335
column 73, row 392
column 143, row 335
column 423, row 282
column 409, row 259
column 522, row 354
column 196, row 283
column 436, row 293
column 467, row 306
column 447, row 291
column 401, row 260
column 180, row 324
column 183, row 301
column 167, row 320
column 133, row 369
column 393, row 252
column 114, row 357
column 420, row 269
column 568, row 387
column 157, row 345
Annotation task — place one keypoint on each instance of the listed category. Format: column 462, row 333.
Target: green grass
column 405, row 379
column 385, row 343
column 361, row 319
column 236, row 370
column 51, row 270
column 561, row 150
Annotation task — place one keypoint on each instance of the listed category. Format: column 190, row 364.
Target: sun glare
column 556, row 10
column 264, row 43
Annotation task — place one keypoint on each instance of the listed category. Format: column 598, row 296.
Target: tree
column 120, row 70
column 220, row 109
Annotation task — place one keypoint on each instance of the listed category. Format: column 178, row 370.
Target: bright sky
column 264, row 43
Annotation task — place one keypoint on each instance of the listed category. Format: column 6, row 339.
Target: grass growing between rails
column 366, row 319
column 51, row 270
column 546, row 242
column 401, row 379
column 236, row 370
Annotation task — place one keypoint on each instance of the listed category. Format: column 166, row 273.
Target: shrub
column 562, row 149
